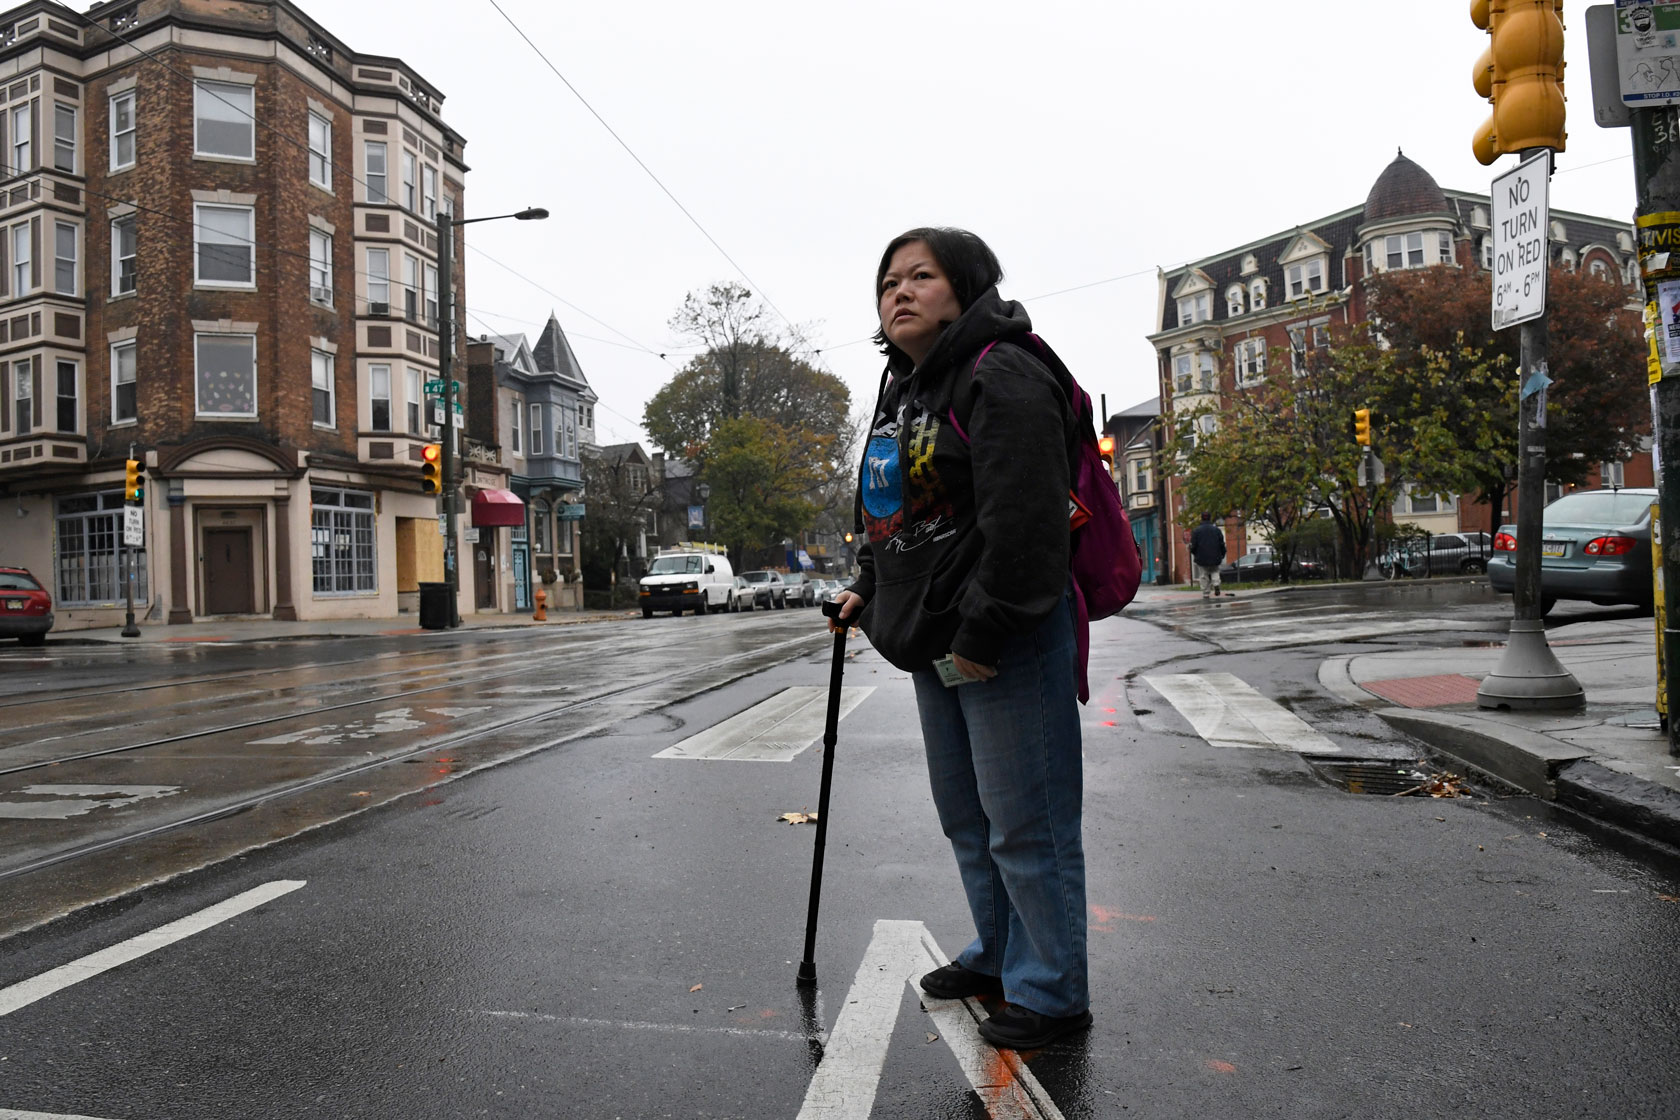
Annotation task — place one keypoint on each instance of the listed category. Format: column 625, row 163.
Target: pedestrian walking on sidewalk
column 963, row 582
column 1207, row 552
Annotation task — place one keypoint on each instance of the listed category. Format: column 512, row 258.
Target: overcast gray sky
column 1084, row 141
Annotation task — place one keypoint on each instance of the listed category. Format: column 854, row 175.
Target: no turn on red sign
column 1521, row 219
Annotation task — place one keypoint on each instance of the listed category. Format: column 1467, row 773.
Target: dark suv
column 768, row 589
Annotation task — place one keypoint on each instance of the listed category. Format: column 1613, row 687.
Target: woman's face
column 917, row 301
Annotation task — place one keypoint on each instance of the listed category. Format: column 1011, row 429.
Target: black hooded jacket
column 965, row 539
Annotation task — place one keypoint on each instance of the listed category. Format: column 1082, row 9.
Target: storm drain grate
column 1383, row 777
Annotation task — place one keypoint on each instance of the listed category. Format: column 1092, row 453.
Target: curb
column 1634, row 804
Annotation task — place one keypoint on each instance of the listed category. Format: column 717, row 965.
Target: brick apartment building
column 1222, row 319
column 216, row 247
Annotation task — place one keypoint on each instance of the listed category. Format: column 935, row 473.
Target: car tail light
column 1611, row 546
column 1504, row 542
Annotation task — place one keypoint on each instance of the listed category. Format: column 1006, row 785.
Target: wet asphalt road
column 527, row 940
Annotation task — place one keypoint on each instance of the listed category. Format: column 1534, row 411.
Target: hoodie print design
column 893, row 477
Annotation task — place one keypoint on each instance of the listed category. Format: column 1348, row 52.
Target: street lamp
column 446, row 352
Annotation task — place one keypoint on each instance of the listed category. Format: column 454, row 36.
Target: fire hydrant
column 542, row 606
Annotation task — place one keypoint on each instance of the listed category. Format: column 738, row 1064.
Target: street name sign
column 1648, row 52
column 134, row 526
column 1521, row 220
column 437, row 386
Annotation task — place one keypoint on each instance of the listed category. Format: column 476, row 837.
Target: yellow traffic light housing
column 1362, row 426
column 134, row 481
column 1521, row 73
column 1105, row 447
column 431, row 469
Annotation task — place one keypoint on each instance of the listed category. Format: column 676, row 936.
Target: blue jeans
column 1005, row 762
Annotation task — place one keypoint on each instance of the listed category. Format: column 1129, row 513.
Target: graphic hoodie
column 965, row 539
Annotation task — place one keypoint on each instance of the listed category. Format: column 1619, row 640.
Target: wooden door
column 228, row 584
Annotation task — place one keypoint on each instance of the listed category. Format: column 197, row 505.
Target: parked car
column 683, row 579
column 742, row 595
column 1594, row 545
column 801, row 590
column 769, row 590
column 830, row 588
column 25, row 607
column 1256, row 567
column 1445, row 554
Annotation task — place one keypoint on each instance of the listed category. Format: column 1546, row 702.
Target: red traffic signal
column 1105, row 448
column 431, row 469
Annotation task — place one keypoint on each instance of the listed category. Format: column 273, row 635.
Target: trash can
column 434, row 606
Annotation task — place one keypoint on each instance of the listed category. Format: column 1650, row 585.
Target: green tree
column 761, row 476
column 621, row 498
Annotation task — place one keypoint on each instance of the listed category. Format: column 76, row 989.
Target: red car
column 25, row 607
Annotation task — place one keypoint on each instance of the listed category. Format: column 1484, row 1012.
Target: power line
column 639, row 163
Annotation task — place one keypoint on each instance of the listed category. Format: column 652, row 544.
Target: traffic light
column 1362, row 426
column 1521, row 73
column 431, row 469
column 134, row 481
column 1105, row 448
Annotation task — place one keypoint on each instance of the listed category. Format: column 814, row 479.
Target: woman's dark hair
column 968, row 263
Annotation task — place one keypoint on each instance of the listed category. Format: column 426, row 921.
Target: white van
column 689, row 577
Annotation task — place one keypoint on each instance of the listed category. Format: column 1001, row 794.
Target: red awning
column 497, row 507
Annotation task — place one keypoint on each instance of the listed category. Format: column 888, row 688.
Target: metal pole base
column 1529, row 676
column 131, row 630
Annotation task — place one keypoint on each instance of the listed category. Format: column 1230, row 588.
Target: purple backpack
column 1105, row 563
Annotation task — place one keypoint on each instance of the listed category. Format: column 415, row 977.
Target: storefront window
column 341, row 542
column 89, row 547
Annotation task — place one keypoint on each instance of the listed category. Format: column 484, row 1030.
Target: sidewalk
column 268, row 629
column 1609, row 759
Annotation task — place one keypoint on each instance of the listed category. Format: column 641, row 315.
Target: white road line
column 26, row 992
column 13, row 1114
column 846, row 1079
column 1227, row 712
column 629, row 1025
column 774, row 730
column 1322, row 633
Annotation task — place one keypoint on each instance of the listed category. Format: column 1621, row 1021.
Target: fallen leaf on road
column 798, row 818
column 697, row 987
column 932, row 1037
column 1668, row 898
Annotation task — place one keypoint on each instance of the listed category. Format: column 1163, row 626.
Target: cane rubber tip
column 807, row 975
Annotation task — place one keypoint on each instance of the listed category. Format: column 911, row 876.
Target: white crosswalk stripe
column 1227, row 712
column 1244, row 626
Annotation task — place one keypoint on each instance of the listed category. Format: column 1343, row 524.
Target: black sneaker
column 1016, row 1028
column 953, row 981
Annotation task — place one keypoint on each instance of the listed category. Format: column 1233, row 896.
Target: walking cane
column 808, row 966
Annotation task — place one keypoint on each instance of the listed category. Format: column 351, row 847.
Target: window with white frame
column 1403, row 250
column 1196, row 308
column 24, row 415
column 1257, row 293
column 536, row 429
column 428, row 192
column 1298, row 349
column 224, row 120
column 123, row 132
column 518, row 411
column 226, row 375
column 408, row 180
column 1183, row 381
column 373, row 167
column 64, row 138
column 379, row 281
column 320, row 151
column 341, row 541
column 571, row 434
column 1487, row 251
column 23, row 146
column 89, row 554
column 321, row 394
column 1444, row 242
column 1419, row 502
column 1234, row 300
column 123, row 248
column 69, row 396
column 1610, row 474
column 1251, row 360
column 320, row 267
column 124, row 406
column 1206, row 377
column 22, row 259
column 411, row 288
column 431, row 295
column 414, row 401
column 65, row 272
column 1568, row 259
column 226, row 246
column 559, row 441
column 1305, row 278
column 1597, row 267
column 379, row 398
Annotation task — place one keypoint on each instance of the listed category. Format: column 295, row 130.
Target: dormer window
column 1567, row 259
column 1196, row 308
column 1234, row 300
column 1257, row 293
column 1250, row 263
column 1305, row 278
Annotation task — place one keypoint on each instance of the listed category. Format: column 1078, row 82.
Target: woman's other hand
column 850, row 603
column 973, row 670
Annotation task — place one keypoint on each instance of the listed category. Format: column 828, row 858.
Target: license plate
column 1554, row 548
column 15, row 604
